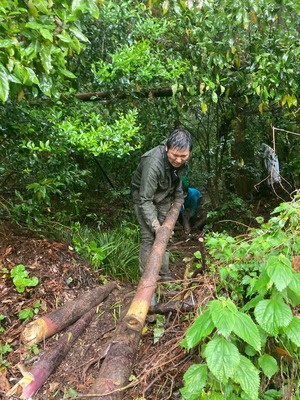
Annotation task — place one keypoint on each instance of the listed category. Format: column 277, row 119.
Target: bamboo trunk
column 117, row 365
column 49, row 324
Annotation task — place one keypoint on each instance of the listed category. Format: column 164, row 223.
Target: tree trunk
column 117, row 366
column 33, row 380
column 49, row 324
column 94, row 96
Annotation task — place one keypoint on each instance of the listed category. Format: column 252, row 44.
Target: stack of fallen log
column 78, row 312
column 117, row 365
column 120, row 357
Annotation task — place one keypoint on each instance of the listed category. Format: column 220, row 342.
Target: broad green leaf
column 32, row 76
column 268, row 364
column 43, row 6
column 8, row 43
column 246, row 329
column 262, row 284
column 272, row 314
column 195, row 380
column 86, row 5
column 80, row 36
column 13, row 78
column 93, row 8
column 222, row 358
column 247, row 375
column 20, row 72
column 46, row 34
column 78, row 5
column 66, row 73
column 216, row 396
column 45, row 84
column 39, row 27
column 4, row 86
column 31, row 7
column 204, row 107
column 292, row 298
column 165, row 6
column 46, row 59
column 280, row 273
column 75, row 45
column 201, row 328
column 294, row 285
column 223, row 313
column 214, row 97
column 250, row 351
column 293, row 331
column 65, row 37
column 252, row 303
column 174, row 88
column 157, row 334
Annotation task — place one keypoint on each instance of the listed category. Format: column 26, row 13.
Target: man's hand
column 186, row 224
column 156, row 225
column 187, row 228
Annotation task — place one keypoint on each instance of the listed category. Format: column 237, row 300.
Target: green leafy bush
column 255, row 312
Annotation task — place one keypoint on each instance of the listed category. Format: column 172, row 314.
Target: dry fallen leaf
column 4, row 384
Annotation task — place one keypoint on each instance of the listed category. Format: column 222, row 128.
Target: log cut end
column 35, row 332
column 134, row 323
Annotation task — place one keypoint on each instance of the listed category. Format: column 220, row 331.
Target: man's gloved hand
column 186, row 224
column 156, row 225
column 187, row 228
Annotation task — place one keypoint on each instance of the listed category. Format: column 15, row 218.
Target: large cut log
column 37, row 376
column 117, row 365
column 51, row 323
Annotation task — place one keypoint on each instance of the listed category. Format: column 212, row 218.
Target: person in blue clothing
column 189, row 209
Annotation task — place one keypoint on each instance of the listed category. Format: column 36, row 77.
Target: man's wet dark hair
column 180, row 139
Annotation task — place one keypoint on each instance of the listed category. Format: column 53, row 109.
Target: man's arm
column 148, row 187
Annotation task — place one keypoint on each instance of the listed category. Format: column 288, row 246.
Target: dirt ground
column 63, row 276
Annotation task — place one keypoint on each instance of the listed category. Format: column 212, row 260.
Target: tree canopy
column 38, row 40
column 91, row 81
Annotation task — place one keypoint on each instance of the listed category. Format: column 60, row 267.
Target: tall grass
column 114, row 253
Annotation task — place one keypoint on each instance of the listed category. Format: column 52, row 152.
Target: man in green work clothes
column 155, row 185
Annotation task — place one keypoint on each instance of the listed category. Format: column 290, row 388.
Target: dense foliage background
column 86, row 87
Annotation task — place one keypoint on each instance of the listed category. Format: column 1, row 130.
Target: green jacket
column 152, row 182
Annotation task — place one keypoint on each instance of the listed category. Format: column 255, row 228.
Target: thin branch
column 283, row 130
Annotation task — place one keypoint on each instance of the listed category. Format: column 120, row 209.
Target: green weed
column 114, row 253
column 249, row 334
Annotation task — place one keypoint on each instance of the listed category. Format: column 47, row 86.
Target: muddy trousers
column 148, row 237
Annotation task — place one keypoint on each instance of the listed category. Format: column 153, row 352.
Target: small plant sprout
column 2, row 318
column 30, row 312
column 20, row 278
column 4, row 349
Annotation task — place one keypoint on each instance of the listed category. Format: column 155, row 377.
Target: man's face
column 177, row 157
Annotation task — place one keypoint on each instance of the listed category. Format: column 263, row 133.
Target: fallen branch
column 49, row 324
column 108, row 96
column 186, row 305
column 117, row 365
column 33, row 380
